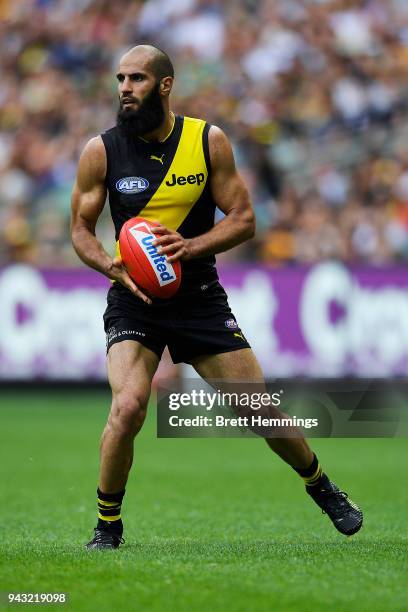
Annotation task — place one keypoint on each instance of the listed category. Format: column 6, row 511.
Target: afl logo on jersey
column 132, row 184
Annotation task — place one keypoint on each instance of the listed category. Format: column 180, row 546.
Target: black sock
column 109, row 509
column 312, row 475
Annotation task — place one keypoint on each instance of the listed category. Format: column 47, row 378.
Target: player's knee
column 128, row 413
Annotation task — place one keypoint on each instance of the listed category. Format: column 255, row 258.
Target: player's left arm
column 231, row 196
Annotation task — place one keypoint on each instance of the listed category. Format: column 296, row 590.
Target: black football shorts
column 193, row 324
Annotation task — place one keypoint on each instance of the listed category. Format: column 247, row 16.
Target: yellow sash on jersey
column 171, row 205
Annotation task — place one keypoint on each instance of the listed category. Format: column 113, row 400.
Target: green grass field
column 211, row 524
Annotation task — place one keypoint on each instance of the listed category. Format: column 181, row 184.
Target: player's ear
column 165, row 85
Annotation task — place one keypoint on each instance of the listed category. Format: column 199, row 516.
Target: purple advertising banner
column 326, row 320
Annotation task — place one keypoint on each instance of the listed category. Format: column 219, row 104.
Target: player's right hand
column 118, row 272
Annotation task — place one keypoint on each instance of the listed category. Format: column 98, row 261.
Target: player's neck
column 162, row 132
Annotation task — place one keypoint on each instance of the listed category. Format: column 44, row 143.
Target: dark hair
column 161, row 64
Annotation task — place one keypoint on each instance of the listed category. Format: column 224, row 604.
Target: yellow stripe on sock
column 109, row 518
column 310, row 480
column 107, row 503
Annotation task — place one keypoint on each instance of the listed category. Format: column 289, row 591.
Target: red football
column 145, row 265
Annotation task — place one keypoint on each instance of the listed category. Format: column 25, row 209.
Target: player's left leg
column 242, row 365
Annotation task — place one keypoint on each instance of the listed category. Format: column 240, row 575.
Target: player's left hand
column 171, row 244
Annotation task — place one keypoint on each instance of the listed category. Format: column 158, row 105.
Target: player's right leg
column 131, row 367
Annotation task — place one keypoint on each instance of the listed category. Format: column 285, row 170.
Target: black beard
column 147, row 118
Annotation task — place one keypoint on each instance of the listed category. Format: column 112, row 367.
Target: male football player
column 160, row 148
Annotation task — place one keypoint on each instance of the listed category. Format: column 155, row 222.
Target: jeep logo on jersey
column 132, row 184
column 163, row 269
column 191, row 179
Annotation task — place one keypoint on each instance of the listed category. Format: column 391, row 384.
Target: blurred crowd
column 312, row 93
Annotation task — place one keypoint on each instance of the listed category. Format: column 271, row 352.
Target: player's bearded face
column 147, row 117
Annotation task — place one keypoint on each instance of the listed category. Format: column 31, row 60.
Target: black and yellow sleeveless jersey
column 166, row 182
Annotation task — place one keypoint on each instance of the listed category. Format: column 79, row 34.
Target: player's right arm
column 88, row 199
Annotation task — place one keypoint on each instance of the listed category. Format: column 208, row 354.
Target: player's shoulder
column 110, row 138
column 112, row 132
column 196, row 124
column 93, row 157
column 219, row 145
column 94, row 144
column 193, row 120
column 216, row 135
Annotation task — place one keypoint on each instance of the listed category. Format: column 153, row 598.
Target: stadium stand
column 313, row 94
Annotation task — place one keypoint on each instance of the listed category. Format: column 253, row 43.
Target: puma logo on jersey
column 157, row 158
column 191, row 179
